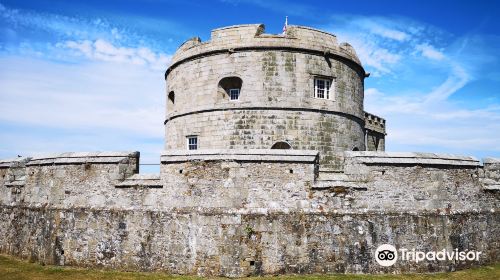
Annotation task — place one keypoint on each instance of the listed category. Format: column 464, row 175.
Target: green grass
column 12, row 268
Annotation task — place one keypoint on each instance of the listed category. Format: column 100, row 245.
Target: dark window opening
column 230, row 88
column 281, row 145
column 171, row 101
column 355, row 149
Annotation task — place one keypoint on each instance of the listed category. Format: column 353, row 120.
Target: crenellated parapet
column 375, row 123
column 76, row 179
column 253, row 37
column 375, row 132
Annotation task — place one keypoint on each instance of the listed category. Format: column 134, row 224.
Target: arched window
column 170, row 101
column 355, row 149
column 281, row 145
column 230, row 88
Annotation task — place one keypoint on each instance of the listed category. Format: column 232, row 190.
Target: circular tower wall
column 244, row 89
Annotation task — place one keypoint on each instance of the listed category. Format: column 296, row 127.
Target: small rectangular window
column 234, row 93
column 322, row 88
column 192, row 142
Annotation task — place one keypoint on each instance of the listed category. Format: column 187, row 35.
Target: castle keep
column 302, row 91
column 271, row 165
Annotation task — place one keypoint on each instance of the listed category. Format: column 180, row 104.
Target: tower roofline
column 252, row 37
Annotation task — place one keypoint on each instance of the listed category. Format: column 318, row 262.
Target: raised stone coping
column 411, row 158
column 239, row 155
column 82, row 158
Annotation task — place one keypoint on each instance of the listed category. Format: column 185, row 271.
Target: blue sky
column 88, row 75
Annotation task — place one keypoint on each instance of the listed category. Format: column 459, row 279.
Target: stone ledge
column 141, row 180
column 239, row 155
column 369, row 157
column 82, row 158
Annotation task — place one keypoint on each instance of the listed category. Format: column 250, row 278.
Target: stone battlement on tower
column 248, row 36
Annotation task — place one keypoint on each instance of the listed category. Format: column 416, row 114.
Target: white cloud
column 89, row 86
column 118, row 103
column 102, row 50
column 375, row 39
column 457, row 79
column 57, row 27
column 416, row 95
column 429, row 51
column 381, row 27
column 439, row 125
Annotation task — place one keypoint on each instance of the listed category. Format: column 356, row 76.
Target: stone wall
column 260, row 128
column 66, row 180
column 240, row 244
column 247, row 212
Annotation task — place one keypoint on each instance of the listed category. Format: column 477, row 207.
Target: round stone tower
column 245, row 89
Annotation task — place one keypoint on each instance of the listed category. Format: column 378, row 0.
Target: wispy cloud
column 415, row 81
column 285, row 7
column 117, row 101
column 103, row 50
column 429, row 51
column 89, row 85
column 56, row 27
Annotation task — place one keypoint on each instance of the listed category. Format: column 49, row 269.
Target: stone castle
column 271, row 166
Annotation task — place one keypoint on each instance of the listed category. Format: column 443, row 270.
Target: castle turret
column 245, row 89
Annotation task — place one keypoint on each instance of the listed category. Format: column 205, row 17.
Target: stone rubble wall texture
column 276, row 101
column 247, row 212
column 235, row 207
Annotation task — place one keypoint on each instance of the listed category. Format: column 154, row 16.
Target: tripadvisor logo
column 387, row 255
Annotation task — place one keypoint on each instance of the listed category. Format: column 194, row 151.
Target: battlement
column 211, row 200
column 253, row 37
column 96, row 170
column 375, row 123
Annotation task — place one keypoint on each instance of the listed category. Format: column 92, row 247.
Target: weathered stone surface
column 276, row 100
column 218, row 243
column 240, row 214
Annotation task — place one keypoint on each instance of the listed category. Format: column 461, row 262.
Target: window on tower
column 192, row 142
column 230, row 88
column 322, row 88
column 234, row 93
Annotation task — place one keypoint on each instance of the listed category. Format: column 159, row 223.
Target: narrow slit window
column 192, row 142
column 234, row 93
column 322, row 88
